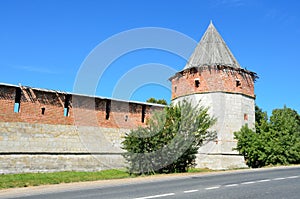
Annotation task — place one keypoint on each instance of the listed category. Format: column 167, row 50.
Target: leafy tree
column 170, row 141
column 285, row 124
column 285, row 120
column 274, row 142
column 157, row 101
column 250, row 146
column 261, row 120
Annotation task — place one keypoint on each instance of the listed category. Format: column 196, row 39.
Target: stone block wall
column 26, row 147
column 56, row 131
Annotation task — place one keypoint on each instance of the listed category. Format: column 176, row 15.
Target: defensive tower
column 213, row 77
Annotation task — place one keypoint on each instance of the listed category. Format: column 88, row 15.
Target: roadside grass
column 36, row 179
column 199, row 170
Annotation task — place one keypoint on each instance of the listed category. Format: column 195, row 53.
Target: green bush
column 273, row 142
column 157, row 101
column 170, row 141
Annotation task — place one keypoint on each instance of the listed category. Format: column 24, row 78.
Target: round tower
column 214, row 78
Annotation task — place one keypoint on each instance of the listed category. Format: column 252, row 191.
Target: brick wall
column 50, row 107
column 41, row 137
column 213, row 79
column 7, row 98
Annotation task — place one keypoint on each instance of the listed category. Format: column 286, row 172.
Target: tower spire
column 212, row 50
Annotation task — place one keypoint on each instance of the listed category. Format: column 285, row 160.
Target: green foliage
column 170, row 141
column 261, row 120
column 157, row 101
column 275, row 142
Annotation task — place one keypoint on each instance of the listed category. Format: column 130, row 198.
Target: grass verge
column 36, row 179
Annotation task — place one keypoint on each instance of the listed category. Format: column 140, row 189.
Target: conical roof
column 212, row 50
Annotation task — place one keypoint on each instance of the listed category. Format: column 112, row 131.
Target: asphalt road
column 260, row 183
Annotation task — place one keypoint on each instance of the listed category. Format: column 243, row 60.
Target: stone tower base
column 220, row 161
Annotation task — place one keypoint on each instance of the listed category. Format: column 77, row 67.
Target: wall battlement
column 32, row 105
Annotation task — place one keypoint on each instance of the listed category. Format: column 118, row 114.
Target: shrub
column 274, row 142
column 170, row 141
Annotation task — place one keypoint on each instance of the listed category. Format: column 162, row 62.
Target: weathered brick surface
column 83, row 110
column 212, row 80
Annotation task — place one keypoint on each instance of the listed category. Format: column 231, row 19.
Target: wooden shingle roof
column 212, row 50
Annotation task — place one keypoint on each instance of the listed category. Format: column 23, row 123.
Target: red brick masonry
column 207, row 79
column 54, row 107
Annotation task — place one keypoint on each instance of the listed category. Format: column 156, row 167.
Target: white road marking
column 209, row 188
column 157, row 196
column 231, row 185
column 292, row 177
column 265, row 180
column 217, row 187
column 250, row 182
column 191, row 191
column 279, row 178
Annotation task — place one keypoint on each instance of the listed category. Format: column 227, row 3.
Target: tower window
column 238, row 82
column 197, row 82
column 43, row 111
column 175, row 89
column 245, row 116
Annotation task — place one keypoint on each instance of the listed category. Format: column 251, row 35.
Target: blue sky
column 44, row 43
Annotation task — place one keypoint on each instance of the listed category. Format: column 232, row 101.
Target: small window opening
column 17, row 107
column 238, row 82
column 126, row 118
column 43, row 111
column 17, row 100
column 66, row 105
column 175, row 89
column 107, row 109
column 66, row 112
column 197, row 82
column 143, row 113
column 245, row 116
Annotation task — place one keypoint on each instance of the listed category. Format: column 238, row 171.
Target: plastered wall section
column 29, row 147
column 230, row 111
